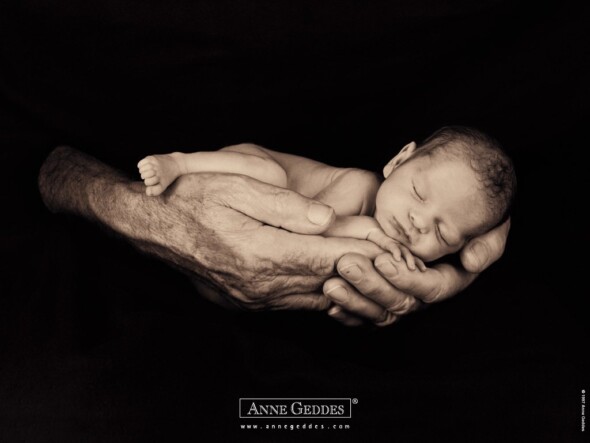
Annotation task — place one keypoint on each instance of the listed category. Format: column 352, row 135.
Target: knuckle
column 261, row 282
column 404, row 305
column 386, row 319
column 321, row 304
column 381, row 259
column 383, row 263
column 434, row 294
column 322, row 265
column 240, row 295
column 249, row 304
column 400, row 278
column 394, row 272
column 256, row 291
column 281, row 200
column 470, row 262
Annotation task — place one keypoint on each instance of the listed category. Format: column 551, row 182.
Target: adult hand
column 221, row 229
column 382, row 291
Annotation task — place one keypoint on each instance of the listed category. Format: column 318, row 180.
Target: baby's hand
column 398, row 251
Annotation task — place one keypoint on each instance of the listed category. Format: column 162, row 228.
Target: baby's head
column 455, row 186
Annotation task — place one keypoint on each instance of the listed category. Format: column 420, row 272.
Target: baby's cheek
column 428, row 251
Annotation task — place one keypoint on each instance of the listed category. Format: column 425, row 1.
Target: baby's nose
column 418, row 222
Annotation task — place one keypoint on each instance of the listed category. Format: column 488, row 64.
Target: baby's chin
column 427, row 258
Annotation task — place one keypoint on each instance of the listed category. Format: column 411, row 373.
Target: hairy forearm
column 73, row 182
column 69, row 179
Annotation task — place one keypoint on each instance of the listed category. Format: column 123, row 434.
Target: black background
column 99, row 343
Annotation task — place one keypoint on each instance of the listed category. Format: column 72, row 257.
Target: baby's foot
column 158, row 171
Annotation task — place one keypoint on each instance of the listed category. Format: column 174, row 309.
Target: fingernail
column 389, row 269
column 319, row 214
column 352, row 273
column 335, row 310
column 338, row 293
column 480, row 254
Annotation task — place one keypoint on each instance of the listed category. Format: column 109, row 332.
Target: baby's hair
column 485, row 155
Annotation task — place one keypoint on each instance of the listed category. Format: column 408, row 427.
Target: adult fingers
column 308, row 302
column 349, row 299
column 360, row 272
column 271, row 205
column 293, row 253
column 484, row 250
column 346, row 318
column 432, row 285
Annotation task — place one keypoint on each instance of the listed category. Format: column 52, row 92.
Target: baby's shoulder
column 360, row 179
column 361, row 186
column 350, row 191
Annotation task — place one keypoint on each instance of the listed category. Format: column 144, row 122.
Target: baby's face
column 431, row 205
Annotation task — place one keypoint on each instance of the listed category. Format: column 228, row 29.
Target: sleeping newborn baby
column 434, row 197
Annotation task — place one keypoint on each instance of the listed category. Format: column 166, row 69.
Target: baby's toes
column 148, row 173
column 146, row 161
column 148, row 166
column 152, row 181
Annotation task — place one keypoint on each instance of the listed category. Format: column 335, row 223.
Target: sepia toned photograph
column 293, row 221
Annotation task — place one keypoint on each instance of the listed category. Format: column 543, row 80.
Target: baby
column 434, row 197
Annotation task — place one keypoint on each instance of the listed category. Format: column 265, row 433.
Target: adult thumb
column 278, row 207
column 484, row 250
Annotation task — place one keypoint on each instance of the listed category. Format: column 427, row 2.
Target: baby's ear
column 405, row 153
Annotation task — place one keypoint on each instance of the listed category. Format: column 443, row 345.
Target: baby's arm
column 352, row 195
column 366, row 228
column 159, row 171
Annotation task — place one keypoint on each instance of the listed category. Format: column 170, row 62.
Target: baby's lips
column 404, row 238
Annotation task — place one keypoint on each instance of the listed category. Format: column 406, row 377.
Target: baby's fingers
column 395, row 248
column 409, row 258
column 395, row 251
column 381, row 239
column 420, row 264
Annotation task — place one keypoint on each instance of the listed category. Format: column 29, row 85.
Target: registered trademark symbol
column 356, row 400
